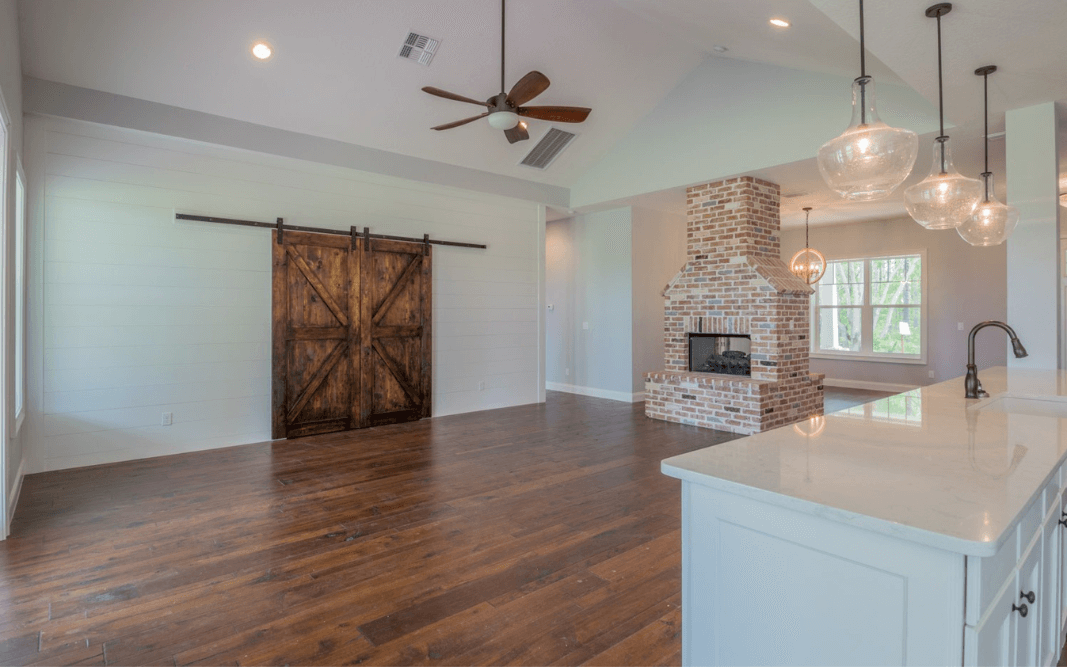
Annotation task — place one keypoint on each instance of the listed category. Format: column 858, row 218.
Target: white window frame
column 19, row 305
column 5, row 148
column 867, row 353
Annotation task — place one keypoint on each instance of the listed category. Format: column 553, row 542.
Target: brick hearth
column 735, row 282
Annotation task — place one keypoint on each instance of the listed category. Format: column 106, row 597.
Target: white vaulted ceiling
column 335, row 73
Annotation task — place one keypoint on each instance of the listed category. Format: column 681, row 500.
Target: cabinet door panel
column 1063, row 573
column 1050, row 586
column 1028, row 633
column 994, row 639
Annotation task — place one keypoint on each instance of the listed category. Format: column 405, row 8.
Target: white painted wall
column 11, row 92
column 658, row 254
column 1034, row 282
column 589, row 280
column 609, row 269
column 731, row 117
column 964, row 284
column 144, row 315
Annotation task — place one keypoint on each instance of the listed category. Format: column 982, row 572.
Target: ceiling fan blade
column 556, row 114
column 528, row 87
column 449, row 126
column 517, row 133
column 452, row 96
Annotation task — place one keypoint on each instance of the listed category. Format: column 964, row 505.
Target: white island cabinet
column 921, row 529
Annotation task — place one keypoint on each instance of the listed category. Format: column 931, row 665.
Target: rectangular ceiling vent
column 419, row 48
column 548, row 149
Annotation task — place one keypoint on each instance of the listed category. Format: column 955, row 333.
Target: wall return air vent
column 419, row 48
column 548, row 149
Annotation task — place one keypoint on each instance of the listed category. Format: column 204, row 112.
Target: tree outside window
column 871, row 307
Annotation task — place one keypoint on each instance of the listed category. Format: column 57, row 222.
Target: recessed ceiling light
column 781, row 23
column 720, row 49
column 262, row 50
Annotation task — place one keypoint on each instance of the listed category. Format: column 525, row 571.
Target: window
column 871, row 308
column 20, row 295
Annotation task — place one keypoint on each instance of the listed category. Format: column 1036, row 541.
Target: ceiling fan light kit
column 505, row 110
column 870, row 159
column 946, row 198
column 992, row 222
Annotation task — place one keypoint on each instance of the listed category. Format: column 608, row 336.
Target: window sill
column 880, row 359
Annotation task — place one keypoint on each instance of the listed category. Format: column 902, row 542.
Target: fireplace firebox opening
column 728, row 354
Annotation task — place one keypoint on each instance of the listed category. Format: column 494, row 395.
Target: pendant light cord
column 985, row 96
column 940, row 96
column 502, row 47
column 863, row 71
column 985, row 85
column 863, row 49
column 807, row 215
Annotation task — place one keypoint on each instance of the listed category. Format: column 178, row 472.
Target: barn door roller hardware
column 281, row 227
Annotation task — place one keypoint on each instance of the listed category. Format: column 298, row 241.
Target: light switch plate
column 167, row 419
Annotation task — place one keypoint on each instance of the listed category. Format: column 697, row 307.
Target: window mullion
column 867, row 315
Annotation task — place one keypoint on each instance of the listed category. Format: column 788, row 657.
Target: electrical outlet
column 481, row 386
column 931, row 375
column 959, row 326
column 585, row 325
column 167, row 419
column 567, row 372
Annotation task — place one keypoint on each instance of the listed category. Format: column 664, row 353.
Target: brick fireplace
column 735, row 284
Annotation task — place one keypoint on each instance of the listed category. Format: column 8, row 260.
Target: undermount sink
column 1037, row 406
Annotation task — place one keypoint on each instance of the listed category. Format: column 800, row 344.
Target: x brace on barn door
column 280, row 226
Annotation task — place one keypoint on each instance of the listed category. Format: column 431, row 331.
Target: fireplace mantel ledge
column 709, row 379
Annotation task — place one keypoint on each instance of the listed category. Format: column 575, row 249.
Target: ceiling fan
column 506, row 110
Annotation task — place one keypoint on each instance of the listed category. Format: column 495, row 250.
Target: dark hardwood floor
column 542, row 534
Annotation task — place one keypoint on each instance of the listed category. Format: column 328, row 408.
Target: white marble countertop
column 927, row 465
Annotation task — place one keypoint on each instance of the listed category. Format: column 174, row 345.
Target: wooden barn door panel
column 396, row 283
column 316, row 308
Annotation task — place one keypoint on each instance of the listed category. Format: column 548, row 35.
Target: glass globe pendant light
column 870, row 159
column 992, row 222
column 945, row 199
column 808, row 264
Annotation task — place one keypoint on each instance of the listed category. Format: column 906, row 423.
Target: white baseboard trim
column 13, row 496
column 622, row 396
column 863, row 384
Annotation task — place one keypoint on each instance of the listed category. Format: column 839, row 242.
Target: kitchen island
column 924, row 528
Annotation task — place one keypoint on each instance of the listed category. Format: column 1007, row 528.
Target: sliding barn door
column 316, row 332
column 396, row 332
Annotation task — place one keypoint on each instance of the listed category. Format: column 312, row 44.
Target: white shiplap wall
column 134, row 314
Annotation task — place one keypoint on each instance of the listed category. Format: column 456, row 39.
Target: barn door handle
column 1029, row 597
column 1022, row 609
column 280, row 223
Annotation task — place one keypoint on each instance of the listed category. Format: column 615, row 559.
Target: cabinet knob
column 1022, row 609
column 1029, row 597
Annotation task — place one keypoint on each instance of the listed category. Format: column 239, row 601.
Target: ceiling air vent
column 548, row 149
column 419, row 48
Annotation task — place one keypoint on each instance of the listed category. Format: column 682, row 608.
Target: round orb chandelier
column 808, row 263
column 870, row 159
column 992, row 222
column 946, row 198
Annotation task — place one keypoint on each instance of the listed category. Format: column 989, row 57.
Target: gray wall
column 589, row 279
column 658, row 255
column 11, row 88
column 965, row 284
column 609, row 269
